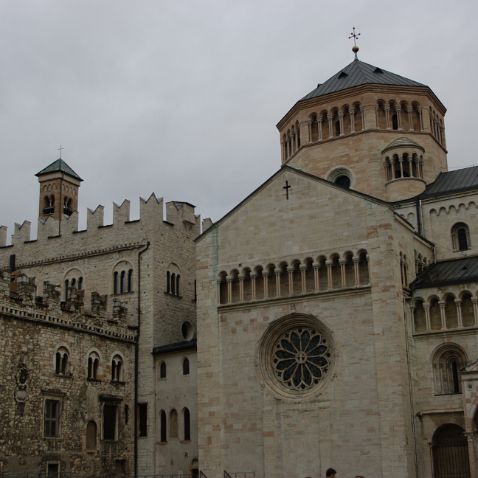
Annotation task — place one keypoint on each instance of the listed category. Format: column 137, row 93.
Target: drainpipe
column 136, row 361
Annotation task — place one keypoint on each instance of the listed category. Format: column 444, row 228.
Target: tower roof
column 59, row 166
column 359, row 73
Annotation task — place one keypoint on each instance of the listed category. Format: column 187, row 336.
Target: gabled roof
column 455, row 271
column 59, row 166
column 301, row 173
column 359, row 73
column 452, row 181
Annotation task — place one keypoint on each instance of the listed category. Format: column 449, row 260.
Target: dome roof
column 359, row 73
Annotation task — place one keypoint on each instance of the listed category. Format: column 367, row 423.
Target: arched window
column 448, row 361
column 93, row 365
column 187, row 424
column 467, row 309
column 162, row 426
column 223, row 296
column 394, row 121
column 61, row 361
column 49, row 204
column 67, row 289
column 343, row 181
column 460, row 235
column 162, row 370
column 67, row 208
column 91, row 432
column 117, row 369
column 115, row 283
column 178, row 277
column 173, row 423
column 80, row 283
column 130, row 280
column 419, row 319
column 185, row 366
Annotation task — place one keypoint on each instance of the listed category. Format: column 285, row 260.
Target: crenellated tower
column 368, row 129
column 59, row 186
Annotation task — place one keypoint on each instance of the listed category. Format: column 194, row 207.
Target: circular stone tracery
column 301, row 358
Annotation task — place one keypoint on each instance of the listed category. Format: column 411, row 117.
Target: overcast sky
column 182, row 97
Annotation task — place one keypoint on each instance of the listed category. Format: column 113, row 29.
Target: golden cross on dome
column 355, row 36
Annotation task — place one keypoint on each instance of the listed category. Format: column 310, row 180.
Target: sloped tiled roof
column 59, row 166
column 453, row 181
column 359, row 73
column 456, row 271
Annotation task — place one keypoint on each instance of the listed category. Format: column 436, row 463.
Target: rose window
column 301, row 358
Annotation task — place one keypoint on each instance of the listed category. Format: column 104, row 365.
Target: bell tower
column 59, row 186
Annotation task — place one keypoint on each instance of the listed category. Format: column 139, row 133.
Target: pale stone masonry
column 338, row 303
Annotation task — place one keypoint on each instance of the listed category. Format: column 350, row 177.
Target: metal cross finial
column 61, row 148
column 355, row 36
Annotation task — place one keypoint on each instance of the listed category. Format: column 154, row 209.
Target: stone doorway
column 450, row 453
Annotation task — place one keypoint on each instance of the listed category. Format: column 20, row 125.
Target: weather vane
column 61, row 148
column 355, row 36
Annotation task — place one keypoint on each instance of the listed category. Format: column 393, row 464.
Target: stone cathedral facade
column 329, row 320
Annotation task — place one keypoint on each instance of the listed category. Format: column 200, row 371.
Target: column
column 356, row 270
column 475, row 309
column 319, row 126
column 277, row 271
column 421, row 119
column 352, row 120
column 219, row 291
column 229, row 289
column 410, row 118
column 342, row 272
column 410, row 165
column 290, row 275
column 412, row 314
column 387, row 116
column 458, row 313
column 253, row 285
column 362, row 113
column 265, row 278
column 420, row 165
column 442, row 314
column 309, row 128
column 328, row 263
column 303, row 269
column 426, row 306
column 398, row 109
column 401, row 166
column 241, row 288
column 316, row 276
column 331, row 126
column 341, row 121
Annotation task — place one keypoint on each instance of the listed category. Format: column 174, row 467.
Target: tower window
column 460, row 235
column 49, row 204
column 394, row 121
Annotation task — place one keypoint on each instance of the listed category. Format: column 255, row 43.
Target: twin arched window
column 173, row 283
column 93, row 365
column 49, row 204
column 117, row 369
column 73, row 284
column 62, row 361
column 460, row 236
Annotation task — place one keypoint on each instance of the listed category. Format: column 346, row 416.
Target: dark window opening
column 168, row 282
column 163, row 434
column 455, row 377
column 462, row 239
column 126, row 414
column 52, row 470
column 130, row 280
column 122, row 284
column 187, row 424
column 394, row 121
column 143, row 419
column 185, row 366
column 337, row 128
column 91, row 436
column 343, row 181
column 115, row 283
column 162, row 370
column 52, row 418
column 49, row 204
column 109, row 422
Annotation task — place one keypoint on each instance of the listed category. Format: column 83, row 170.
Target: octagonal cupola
column 349, row 123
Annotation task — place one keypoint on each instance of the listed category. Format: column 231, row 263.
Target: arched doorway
column 450, row 452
